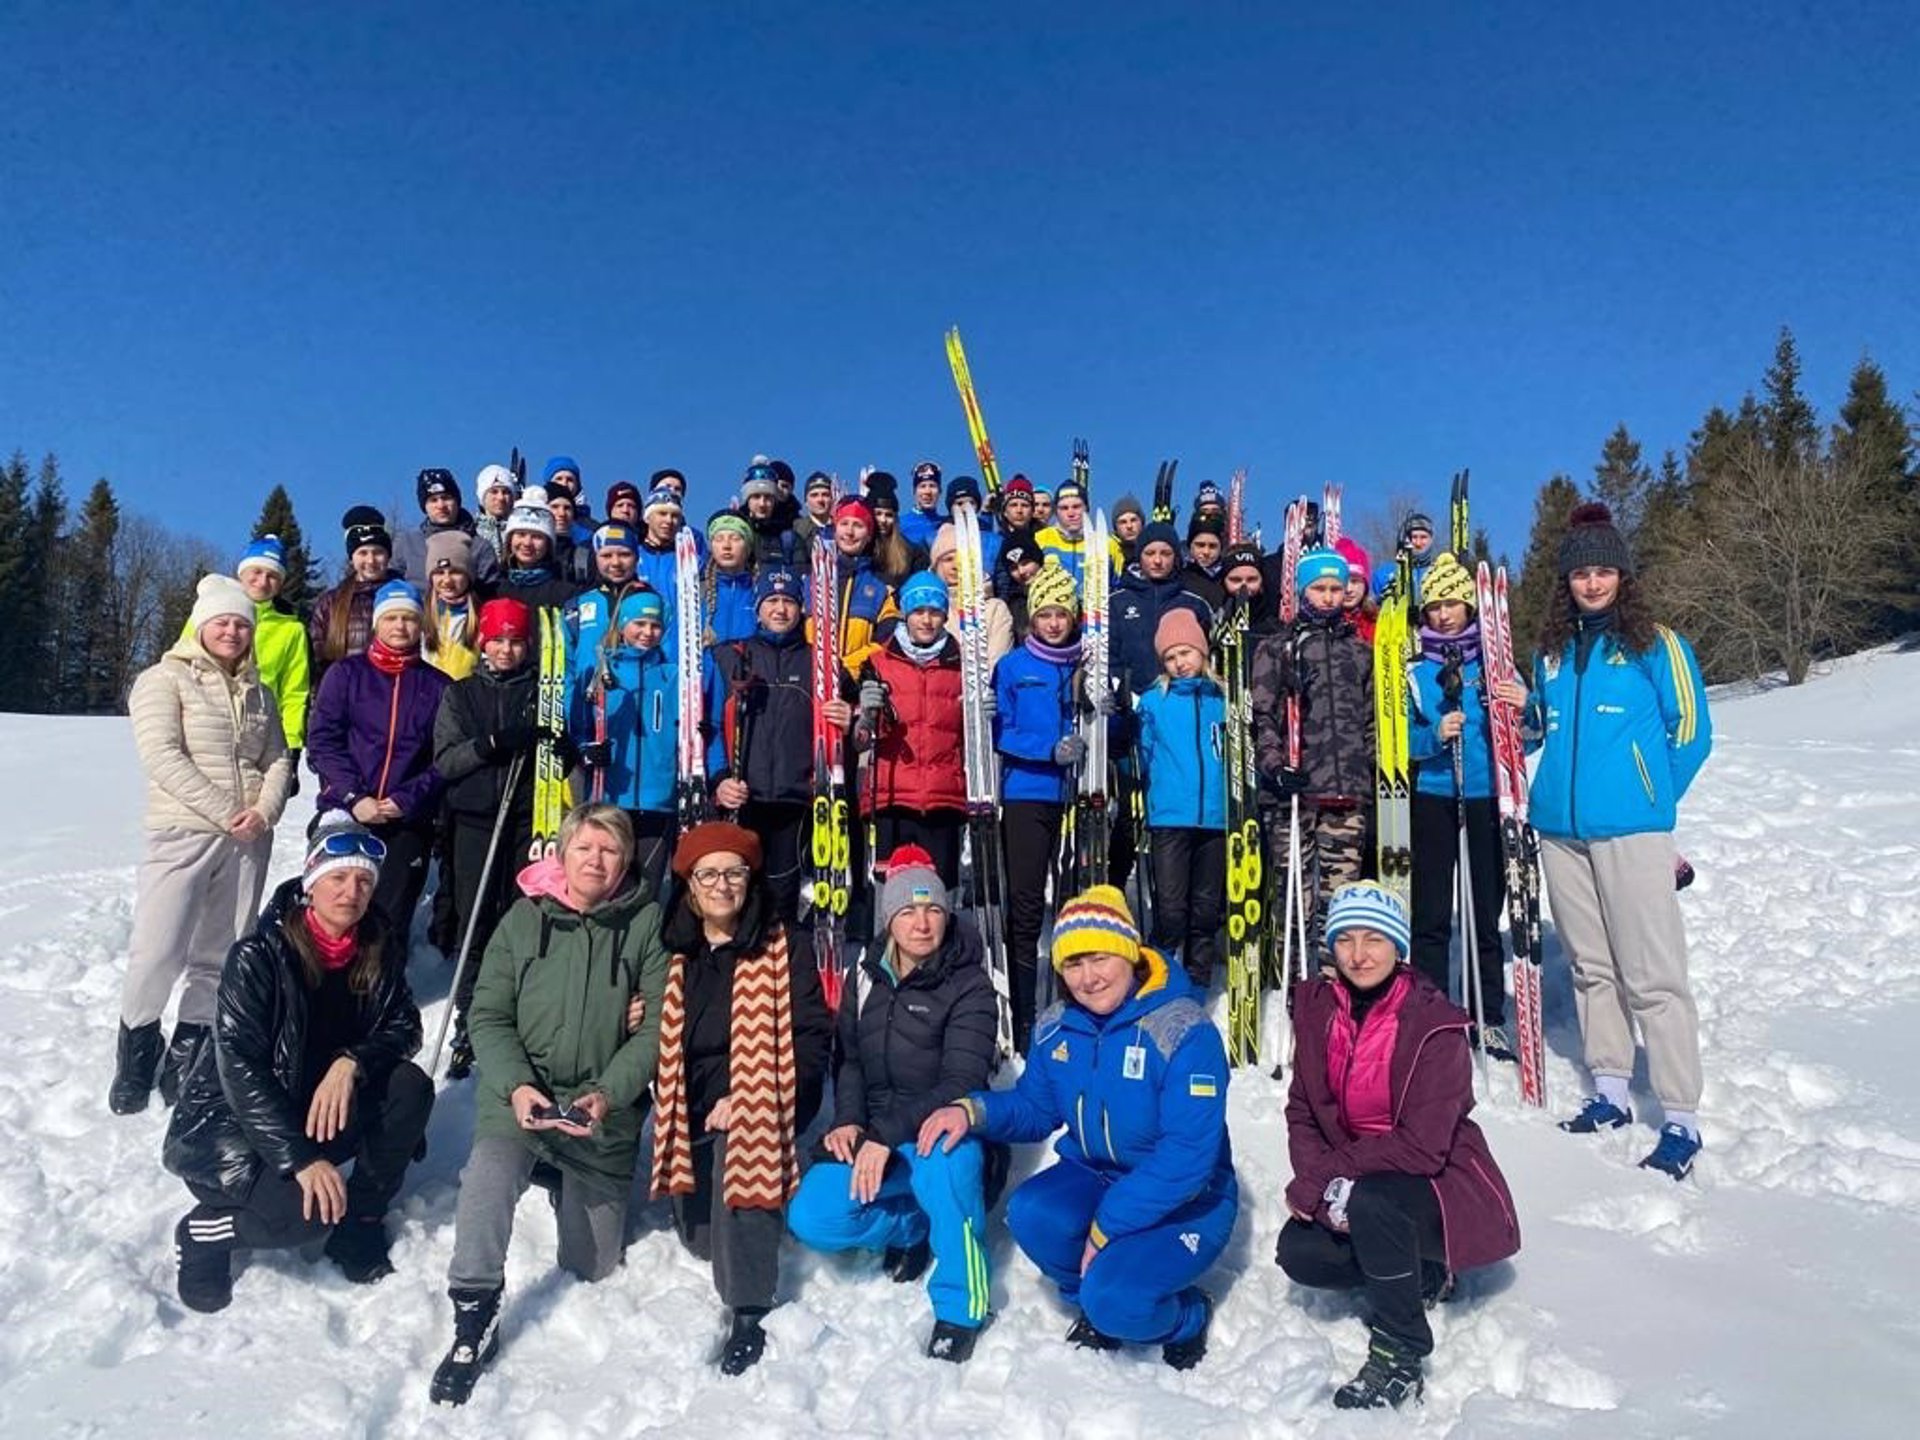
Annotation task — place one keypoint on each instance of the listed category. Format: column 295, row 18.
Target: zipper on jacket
column 393, row 731
column 1646, row 776
column 1573, row 751
column 1199, row 776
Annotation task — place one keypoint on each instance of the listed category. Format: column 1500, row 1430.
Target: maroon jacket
column 1430, row 1079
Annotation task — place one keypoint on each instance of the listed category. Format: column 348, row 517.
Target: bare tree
column 1378, row 527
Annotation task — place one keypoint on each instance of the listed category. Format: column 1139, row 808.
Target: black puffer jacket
column 243, row 1102
column 908, row 1047
column 483, row 704
column 1332, row 668
column 776, row 679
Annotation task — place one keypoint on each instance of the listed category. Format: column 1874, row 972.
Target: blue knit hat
column 662, row 497
column 642, row 604
column 778, row 580
column 267, row 553
column 396, row 595
column 1161, row 532
column 557, row 464
column 1320, row 564
column 1208, row 494
column 614, row 535
column 925, row 591
column 1367, row 906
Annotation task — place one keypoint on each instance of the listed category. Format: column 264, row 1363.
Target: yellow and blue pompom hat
column 1095, row 922
column 1448, row 579
column 1364, row 905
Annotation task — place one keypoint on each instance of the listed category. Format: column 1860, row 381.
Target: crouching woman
column 565, row 1056
column 314, row 1027
column 1143, row 1198
column 1394, row 1190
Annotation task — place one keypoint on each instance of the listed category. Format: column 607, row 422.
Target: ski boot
column 1391, row 1377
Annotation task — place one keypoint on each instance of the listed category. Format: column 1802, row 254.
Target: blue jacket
column 1033, row 711
column 1384, row 572
column 1138, row 604
column 643, row 722
column 1623, row 737
column 727, row 599
column 1431, row 757
column 921, row 526
column 1143, row 1096
column 1183, row 751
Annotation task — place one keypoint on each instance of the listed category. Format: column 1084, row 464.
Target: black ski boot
column 1391, row 1376
column 746, row 1343
column 1084, row 1337
column 135, row 1064
column 460, row 1052
column 182, row 1050
column 476, row 1340
column 907, row 1263
column 1185, row 1354
column 359, row 1248
column 203, row 1247
column 951, row 1342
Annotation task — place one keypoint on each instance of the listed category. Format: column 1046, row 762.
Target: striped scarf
column 763, row 1164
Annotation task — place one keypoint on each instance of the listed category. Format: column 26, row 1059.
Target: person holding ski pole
column 1452, row 753
column 1619, row 714
column 624, row 717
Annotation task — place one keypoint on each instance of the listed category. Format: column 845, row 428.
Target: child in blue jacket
column 1182, row 726
column 633, row 767
column 1143, row 1198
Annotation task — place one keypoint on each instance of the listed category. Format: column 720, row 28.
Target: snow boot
column 952, row 1343
column 1185, row 1354
column 460, row 1052
column 182, row 1050
column 359, row 1248
column 203, row 1248
column 907, row 1263
column 1674, row 1154
column 746, row 1343
column 1084, row 1337
column 1498, row 1045
column 476, row 1340
column 1391, row 1376
column 135, row 1063
column 1596, row 1114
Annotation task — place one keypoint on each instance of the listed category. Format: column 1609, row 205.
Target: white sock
column 1687, row 1120
column 1613, row 1089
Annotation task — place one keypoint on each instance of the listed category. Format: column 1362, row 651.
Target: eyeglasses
column 342, row 843
column 708, row 878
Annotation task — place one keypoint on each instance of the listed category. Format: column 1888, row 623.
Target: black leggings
column 1436, row 852
column 1395, row 1249
column 1189, row 897
column 1029, row 837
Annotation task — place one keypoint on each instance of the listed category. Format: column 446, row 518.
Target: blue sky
column 326, row 245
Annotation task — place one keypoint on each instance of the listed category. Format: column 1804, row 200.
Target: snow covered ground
column 1772, row 1295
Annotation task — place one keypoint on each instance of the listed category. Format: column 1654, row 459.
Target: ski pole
column 514, row 767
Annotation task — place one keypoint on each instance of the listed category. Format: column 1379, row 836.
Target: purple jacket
column 1430, row 1079
column 364, row 739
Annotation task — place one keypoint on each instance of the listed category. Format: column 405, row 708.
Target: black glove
column 293, row 784
column 1291, row 781
column 564, row 750
column 514, row 740
column 597, row 754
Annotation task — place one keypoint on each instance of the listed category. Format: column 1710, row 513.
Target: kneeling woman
column 919, row 1035
column 565, row 1057
column 1393, row 1189
column 313, row 1030
column 743, row 1050
column 1144, row 1197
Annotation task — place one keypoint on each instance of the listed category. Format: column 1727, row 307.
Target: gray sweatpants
column 1619, row 920
column 593, row 1217
column 194, row 895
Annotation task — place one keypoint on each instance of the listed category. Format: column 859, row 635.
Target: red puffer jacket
column 921, row 754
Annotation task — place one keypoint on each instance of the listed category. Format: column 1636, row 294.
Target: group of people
column 635, row 964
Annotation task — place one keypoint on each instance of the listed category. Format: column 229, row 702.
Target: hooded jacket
column 643, row 724
column 919, row 756
column 1035, row 708
column 1333, row 671
column 472, row 710
column 210, row 742
column 372, row 734
column 1183, row 752
column 762, row 689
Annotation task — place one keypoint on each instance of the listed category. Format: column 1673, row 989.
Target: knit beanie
column 727, row 523
column 709, row 838
column 1244, row 556
column 218, row 595
column 911, row 880
column 1053, row 589
column 1208, row 494
column 492, row 477
column 1019, row 485
column 887, row 500
column 1364, row 905
column 396, row 597
column 1018, row 546
column 1208, row 524
column 1320, row 564
column 1358, row 564
column 452, row 549
column 1128, row 505
column 962, row 487
column 925, row 591
column 622, row 490
column 506, row 617
column 819, row 480
column 1447, row 579
column 266, row 553
column 1593, row 539
column 1070, row 490
column 662, row 497
column 926, row 470
column 564, row 486
column 561, row 464
column 759, row 481
column 1179, row 626
column 365, row 525
column 530, row 513
column 946, row 541
column 881, row 482
column 640, row 604
column 782, row 474
column 1095, row 922
column 432, row 482
column 1415, row 521
column 669, row 477
column 1161, row 532
column 341, row 843
column 857, row 507
column 615, row 535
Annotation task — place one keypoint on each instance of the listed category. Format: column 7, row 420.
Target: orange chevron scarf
column 763, row 1162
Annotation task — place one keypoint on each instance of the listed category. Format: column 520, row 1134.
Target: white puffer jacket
column 211, row 742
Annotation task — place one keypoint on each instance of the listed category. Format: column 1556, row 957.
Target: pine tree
column 1621, row 482
column 94, row 659
column 44, row 569
column 1873, row 436
column 16, row 632
column 303, row 580
column 1787, row 422
column 1540, row 573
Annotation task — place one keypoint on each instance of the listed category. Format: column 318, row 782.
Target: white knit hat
column 1364, row 905
column 530, row 513
column 492, row 477
column 218, row 595
column 341, row 843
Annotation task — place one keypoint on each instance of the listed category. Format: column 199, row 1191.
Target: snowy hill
column 1772, row 1295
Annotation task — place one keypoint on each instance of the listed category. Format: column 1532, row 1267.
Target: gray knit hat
column 1593, row 539
column 911, row 880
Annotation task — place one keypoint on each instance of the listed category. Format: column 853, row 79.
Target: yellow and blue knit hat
column 1447, row 579
column 1095, row 922
column 1053, row 589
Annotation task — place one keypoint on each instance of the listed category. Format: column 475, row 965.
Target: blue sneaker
column 1674, row 1154
column 1599, row 1113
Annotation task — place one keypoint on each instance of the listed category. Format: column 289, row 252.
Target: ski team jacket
column 1392, row 1097
column 643, row 722
column 1143, row 1096
column 372, row 734
column 210, row 743
column 1430, row 756
column 920, row 755
column 243, row 1102
column 443, row 642
column 1071, row 552
column 1624, row 737
column 762, row 689
column 1335, row 674
column 909, row 1046
column 1034, row 709
column 727, row 609
column 868, row 611
column 1182, row 727
column 484, row 704
column 1138, row 604
column 550, row 1010
column 921, row 526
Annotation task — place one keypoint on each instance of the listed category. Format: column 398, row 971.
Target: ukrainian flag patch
column 1202, row 1087
column 1060, row 1051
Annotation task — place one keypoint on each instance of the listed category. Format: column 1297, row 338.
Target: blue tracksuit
column 921, row 526
column 727, row 600
column 1431, row 757
column 1145, row 1169
column 643, row 724
column 1033, row 712
column 1384, row 572
column 1624, row 736
column 1182, row 749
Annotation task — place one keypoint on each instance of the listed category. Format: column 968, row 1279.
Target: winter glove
column 1290, row 781
column 1099, row 701
column 1338, row 1192
column 564, row 750
column 1069, row 750
column 597, row 754
column 504, row 744
column 989, row 704
column 873, row 701
column 293, row 782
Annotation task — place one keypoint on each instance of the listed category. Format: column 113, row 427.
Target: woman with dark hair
column 744, row 1036
column 1619, row 712
column 309, row 1068
column 341, row 621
